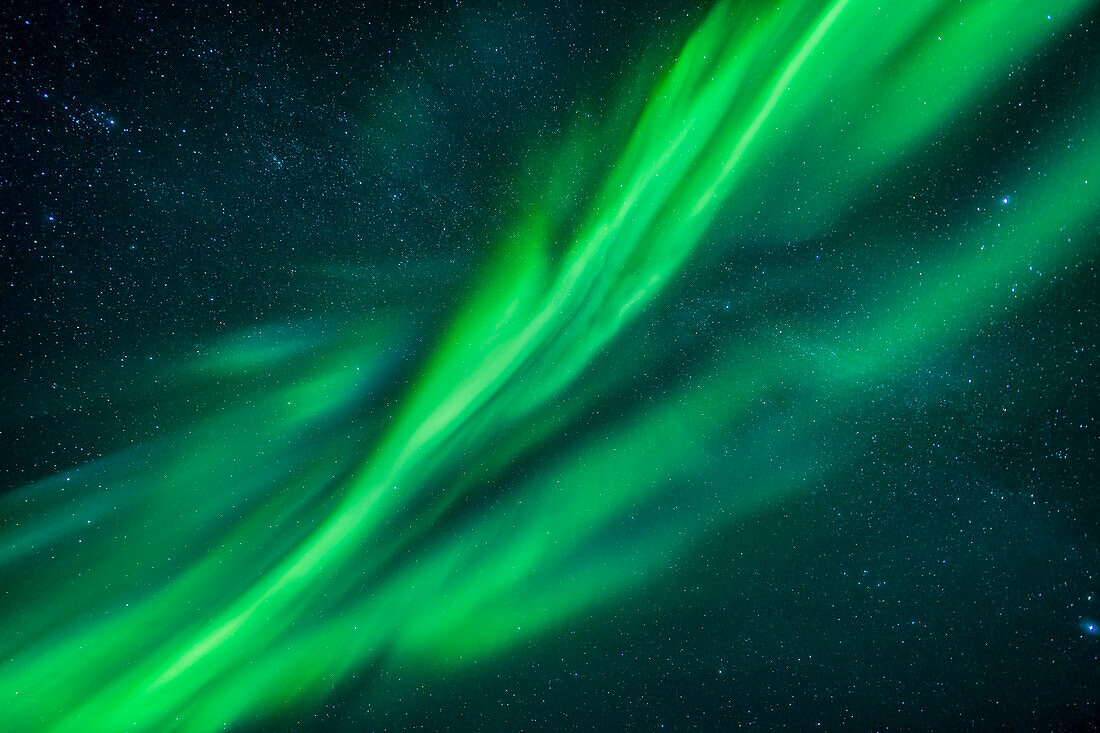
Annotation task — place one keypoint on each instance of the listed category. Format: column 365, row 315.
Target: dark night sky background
column 172, row 172
column 177, row 170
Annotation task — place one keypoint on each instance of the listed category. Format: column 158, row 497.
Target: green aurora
column 283, row 546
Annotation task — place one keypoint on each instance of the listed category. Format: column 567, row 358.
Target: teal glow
column 271, row 550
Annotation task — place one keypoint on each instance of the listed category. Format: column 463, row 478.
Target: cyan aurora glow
column 277, row 549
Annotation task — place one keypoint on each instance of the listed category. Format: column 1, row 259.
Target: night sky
column 550, row 366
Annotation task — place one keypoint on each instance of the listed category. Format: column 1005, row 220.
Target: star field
column 550, row 365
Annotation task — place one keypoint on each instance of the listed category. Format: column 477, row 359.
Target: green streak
column 315, row 531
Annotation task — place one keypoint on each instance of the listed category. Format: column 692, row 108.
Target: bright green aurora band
column 245, row 575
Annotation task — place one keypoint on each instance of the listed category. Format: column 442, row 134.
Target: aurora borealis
column 753, row 383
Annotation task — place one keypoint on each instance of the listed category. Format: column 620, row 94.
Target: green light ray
column 302, row 566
